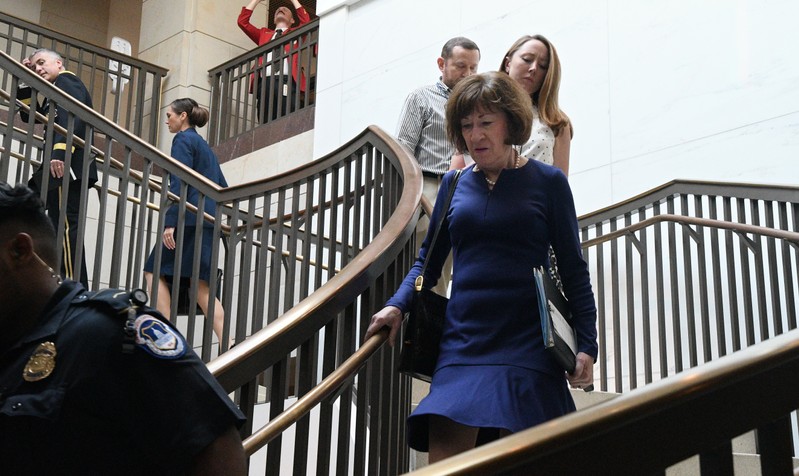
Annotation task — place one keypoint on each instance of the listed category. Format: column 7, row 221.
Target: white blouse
column 541, row 143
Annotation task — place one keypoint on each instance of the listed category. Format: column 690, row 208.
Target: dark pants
column 70, row 244
column 275, row 85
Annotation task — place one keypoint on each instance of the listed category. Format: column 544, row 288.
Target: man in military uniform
column 96, row 383
column 50, row 66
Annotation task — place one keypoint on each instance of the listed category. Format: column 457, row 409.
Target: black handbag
column 421, row 342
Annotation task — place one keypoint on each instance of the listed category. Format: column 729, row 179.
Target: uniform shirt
column 102, row 411
column 422, row 127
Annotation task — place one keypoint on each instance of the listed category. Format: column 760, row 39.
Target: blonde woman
column 533, row 62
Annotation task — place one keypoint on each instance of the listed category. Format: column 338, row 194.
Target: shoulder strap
column 440, row 222
column 123, row 303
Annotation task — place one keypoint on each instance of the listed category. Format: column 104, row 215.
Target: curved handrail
column 697, row 396
column 682, row 186
column 349, row 368
column 427, row 207
column 688, row 220
column 156, row 208
column 137, row 144
column 99, row 156
column 326, row 388
column 149, row 205
column 270, row 344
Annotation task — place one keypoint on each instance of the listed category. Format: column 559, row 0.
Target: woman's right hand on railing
column 390, row 316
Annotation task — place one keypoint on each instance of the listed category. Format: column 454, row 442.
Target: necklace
column 491, row 183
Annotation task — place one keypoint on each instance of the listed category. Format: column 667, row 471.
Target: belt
column 432, row 174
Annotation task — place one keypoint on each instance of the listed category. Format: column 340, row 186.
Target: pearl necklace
column 491, row 183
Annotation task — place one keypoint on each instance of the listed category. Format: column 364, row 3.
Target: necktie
column 278, row 34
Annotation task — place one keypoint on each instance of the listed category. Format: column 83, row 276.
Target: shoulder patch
column 158, row 338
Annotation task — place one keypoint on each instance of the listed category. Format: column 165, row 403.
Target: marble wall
column 656, row 90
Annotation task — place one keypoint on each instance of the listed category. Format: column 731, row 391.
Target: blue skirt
column 187, row 261
column 490, row 397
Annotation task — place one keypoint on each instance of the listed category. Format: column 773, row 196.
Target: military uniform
column 72, row 85
column 72, row 401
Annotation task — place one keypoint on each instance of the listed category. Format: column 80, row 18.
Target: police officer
column 96, row 383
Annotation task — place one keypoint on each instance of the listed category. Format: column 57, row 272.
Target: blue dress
column 493, row 371
column 192, row 150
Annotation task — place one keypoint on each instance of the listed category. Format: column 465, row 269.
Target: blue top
column 191, row 149
column 497, row 237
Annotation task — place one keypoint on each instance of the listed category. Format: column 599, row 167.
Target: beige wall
column 26, row 9
column 124, row 21
column 85, row 20
column 189, row 37
column 93, row 21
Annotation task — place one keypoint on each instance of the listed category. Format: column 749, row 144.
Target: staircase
column 695, row 281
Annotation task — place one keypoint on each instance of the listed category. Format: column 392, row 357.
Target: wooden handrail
column 683, row 186
column 267, row 346
column 99, row 156
column 790, row 236
column 85, row 113
column 681, row 409
column 155, row 207
column 325, row 389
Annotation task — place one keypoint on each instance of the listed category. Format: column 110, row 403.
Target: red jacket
column 264, row 35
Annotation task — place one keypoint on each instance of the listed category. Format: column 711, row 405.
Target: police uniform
column 72, row 85
column 73, row 402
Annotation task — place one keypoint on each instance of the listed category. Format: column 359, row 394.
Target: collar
column 57, row 306
column 443, row 87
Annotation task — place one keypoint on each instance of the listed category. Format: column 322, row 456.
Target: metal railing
column 689, row 272
column 358, row 426
column 133, row 105
column 308, row 255
column 646, row 224
column 646, row 431
column 683, row 275
column 281, row 72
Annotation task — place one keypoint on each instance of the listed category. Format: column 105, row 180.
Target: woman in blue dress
column 182, row 118
column 493, row 376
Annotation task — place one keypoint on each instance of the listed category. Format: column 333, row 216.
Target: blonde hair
column 546, row 98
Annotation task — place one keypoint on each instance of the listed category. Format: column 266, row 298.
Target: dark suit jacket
column 72, row 85
column 191, row 149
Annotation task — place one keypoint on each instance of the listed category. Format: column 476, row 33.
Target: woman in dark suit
column 493, row 376
column 182, row 117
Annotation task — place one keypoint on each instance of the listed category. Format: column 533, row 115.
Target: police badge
column 41, row 363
